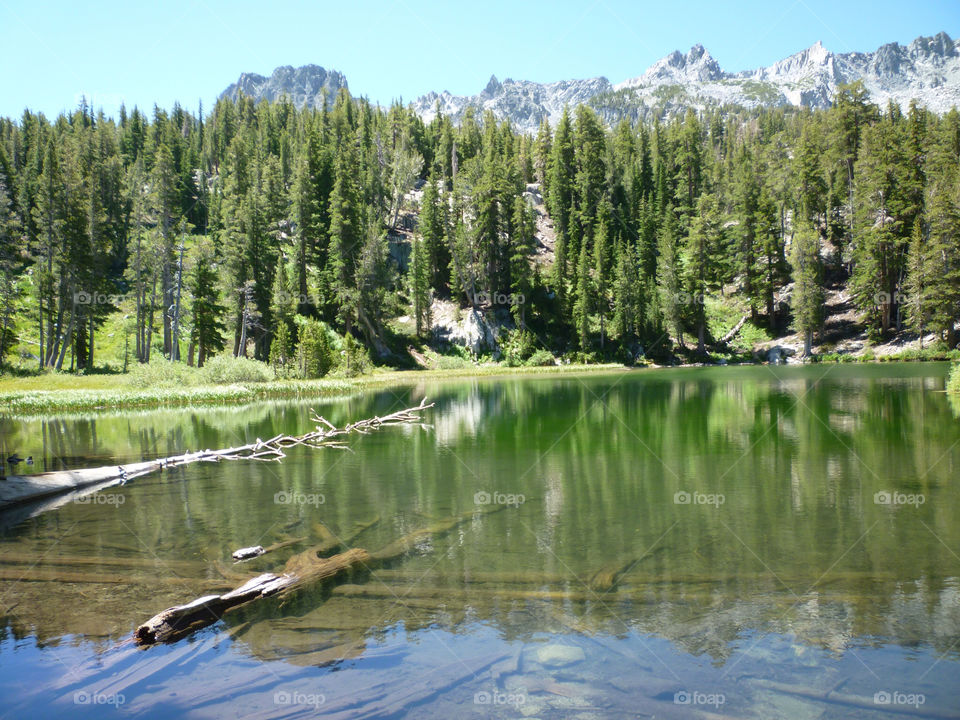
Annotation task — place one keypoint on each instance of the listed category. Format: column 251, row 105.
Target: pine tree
column 207, row 312
column 584, row 297
column 601, row 266
column 560, row 198
column 346, row 236
column 420, row 294
column 699, row 251
column 920, row 270
column 432, row 228
column 280, row 347
column 669, row 275
column 807, row 298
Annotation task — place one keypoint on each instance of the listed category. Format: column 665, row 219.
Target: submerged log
column 301, row 569
column 180, row 620
column 606, row 579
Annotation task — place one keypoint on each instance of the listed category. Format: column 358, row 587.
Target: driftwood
column 17, row 489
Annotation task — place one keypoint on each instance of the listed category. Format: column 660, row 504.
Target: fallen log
column 18, row 489
column 733, row 333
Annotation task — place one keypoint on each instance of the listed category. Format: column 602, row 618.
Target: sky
column 144, row 53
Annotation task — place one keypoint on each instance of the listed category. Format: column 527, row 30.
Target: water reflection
column 718, row 529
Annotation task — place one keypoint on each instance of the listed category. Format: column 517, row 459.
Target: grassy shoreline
column 56, row 393
column 34, row 395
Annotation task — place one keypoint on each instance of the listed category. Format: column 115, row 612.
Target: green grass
column 937, row 354
column 61, row 392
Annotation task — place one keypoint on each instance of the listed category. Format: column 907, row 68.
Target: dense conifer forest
column 277, row 233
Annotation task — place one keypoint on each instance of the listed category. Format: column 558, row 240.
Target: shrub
column 353, row 357
column 314, row 356
column 541, row 358
column 226, row 370
column 517, row 346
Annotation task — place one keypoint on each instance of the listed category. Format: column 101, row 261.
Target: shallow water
column 748, row 542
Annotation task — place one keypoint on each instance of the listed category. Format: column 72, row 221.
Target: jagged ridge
column 927, row 70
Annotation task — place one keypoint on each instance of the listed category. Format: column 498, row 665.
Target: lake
column 754, row 542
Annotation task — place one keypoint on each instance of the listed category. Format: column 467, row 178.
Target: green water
column 740, row 538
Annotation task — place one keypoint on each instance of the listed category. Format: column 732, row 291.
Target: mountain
column 304, row 86
column 927, row 70
column 526, row 103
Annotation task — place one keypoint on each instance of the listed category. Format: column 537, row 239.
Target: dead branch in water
column 323, row 436
column 17, row 489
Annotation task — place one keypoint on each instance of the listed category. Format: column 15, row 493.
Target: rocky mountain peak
column 927, row 70
column 493, row 86
column 697, row 65
column 303, row 86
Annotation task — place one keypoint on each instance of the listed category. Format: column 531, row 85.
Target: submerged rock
column 557, row 655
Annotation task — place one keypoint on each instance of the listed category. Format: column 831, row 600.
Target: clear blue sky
column 146, row 53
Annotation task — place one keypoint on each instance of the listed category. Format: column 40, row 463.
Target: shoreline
column 26, row 396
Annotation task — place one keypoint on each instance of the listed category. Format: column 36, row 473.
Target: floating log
column 19, row 489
